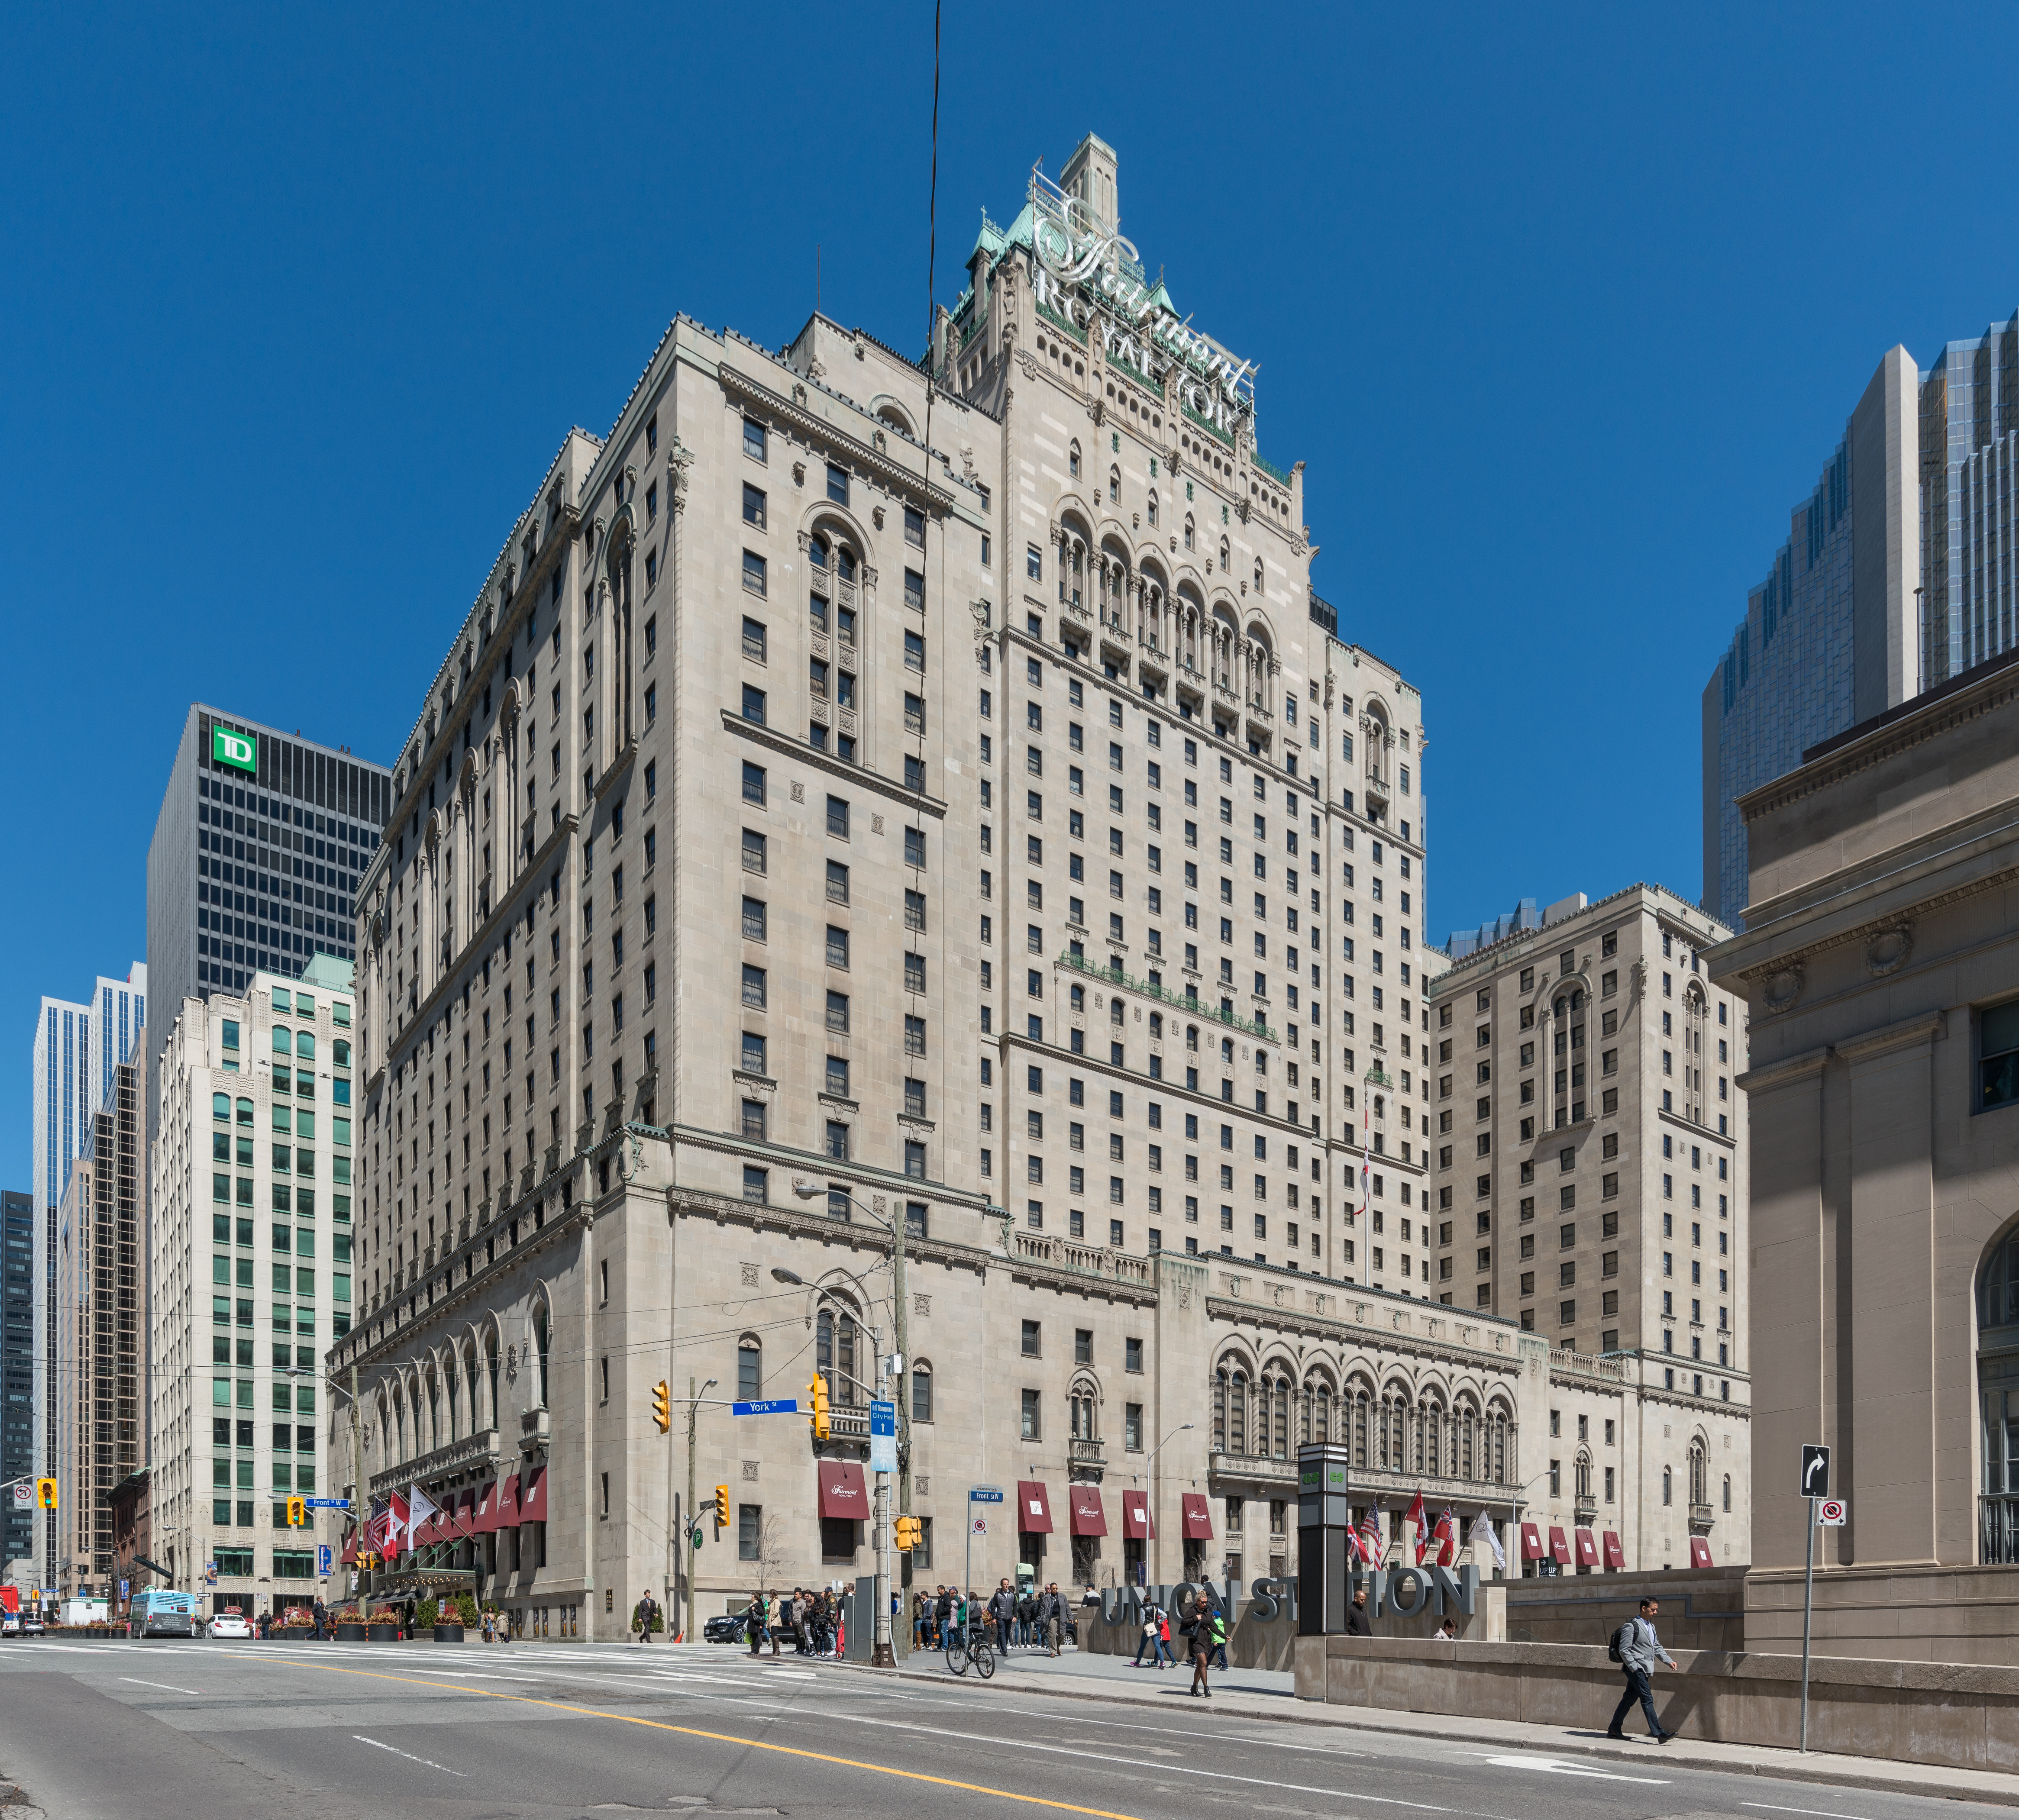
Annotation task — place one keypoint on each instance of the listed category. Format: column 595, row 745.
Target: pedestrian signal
column 823, row 1423
column 662, row 1408
column 908, row 1536
column 46, row 1493
column 297, row 1513
column 722, row 1507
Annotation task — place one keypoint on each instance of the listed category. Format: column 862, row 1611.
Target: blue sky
column 1564, row 310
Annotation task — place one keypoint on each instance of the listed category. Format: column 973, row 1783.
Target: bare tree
column 771, row 1551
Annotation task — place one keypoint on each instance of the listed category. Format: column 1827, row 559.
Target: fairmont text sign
column 1089, row 276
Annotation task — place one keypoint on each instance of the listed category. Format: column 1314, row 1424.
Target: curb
column 1909, row 1780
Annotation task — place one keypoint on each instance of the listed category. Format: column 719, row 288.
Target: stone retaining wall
column 1965, row 1717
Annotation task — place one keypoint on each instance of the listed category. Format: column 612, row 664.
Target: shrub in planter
column 464, row 1606
column 427, row 1615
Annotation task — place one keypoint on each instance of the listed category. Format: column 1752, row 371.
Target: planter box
column 351, row 1634
column 383, row 1632
column 448, row 1633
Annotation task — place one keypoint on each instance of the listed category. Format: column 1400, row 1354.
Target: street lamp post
column 1151, row 1461
column 360, row 1503
column 693, row 1509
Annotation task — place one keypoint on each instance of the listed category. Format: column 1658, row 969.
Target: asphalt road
column 532, row 1731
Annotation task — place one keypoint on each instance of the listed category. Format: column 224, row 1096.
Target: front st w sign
column 1815, row 1471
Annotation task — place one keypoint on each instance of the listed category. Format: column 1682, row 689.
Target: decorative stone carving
column 922, row 1307
column 1782, row 989
column 799, row 394
column 1887, row 950
column 876, row 512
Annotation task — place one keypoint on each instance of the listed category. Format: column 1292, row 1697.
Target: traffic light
column 662, row 1406
column 722, row 1507
column 907, row 1536
column 46, row 1493
column 817, row 1396
column 368, row 1560
column 297, row 1513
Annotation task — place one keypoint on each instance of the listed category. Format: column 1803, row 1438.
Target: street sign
column 25, row 1495
column 769, row 1406
column 1833, row 1513
column 122, row 1589
column 883, row 1436
column 322, row 1558
column 1815, row 1471
column 984, row 1495
column 327, row 1503
column 979, row 1526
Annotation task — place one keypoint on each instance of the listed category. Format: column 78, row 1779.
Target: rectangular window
column 753, row 784
column 753, row 440
column 753, row 572
column 837, row 484
column 837, row 817
column 755, row 644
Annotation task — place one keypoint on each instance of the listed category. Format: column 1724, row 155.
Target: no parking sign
column 1832, row 1512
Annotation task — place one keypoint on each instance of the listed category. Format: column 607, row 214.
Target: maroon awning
column 1137, row 1523
column 1532, row 1543
column 842, row 1491
column 1615, row 1556
column 533, row 1507
column 465, row 1513
column 1198, row 1517
column 1587, row 1550
column 486, row 1520
column 350, row 1548
column 507, row 1503
column 1034, row 1508
column 1560, row 1546
column 1088, row 1516
column 1699, row 1551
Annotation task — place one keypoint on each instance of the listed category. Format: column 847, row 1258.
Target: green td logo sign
column 235, row 749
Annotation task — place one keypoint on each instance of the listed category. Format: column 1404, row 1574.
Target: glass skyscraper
column 1969, row 443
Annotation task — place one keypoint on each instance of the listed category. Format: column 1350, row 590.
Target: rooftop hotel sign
column 1091, row 276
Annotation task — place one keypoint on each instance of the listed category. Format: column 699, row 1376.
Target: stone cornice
column 787, row 747
column 1907, row 1034
column 1783, row 1073
column 1341, row 1330
column 814, row 427
column 1995, row 690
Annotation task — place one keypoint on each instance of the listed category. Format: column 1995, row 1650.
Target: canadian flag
column 389, row 1522
column 1421, row 1527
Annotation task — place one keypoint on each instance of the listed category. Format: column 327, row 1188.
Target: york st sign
column 1082, row 274
column 239, row 750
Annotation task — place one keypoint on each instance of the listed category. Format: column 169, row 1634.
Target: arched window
column 1153, row 510
column 844, row 563
column 1699, row 1475
column 1223, row 566
column 1189, row 544
column 834, row 1355
column 1085, row 1414
column 1072, row 461
column 749, row 1368
column 283, row 1042
column 244, row 1111
column 540, row 1342
column 1583, row 1474
column 1114, row 486
column 1357, row 1440
column 1667, row 1486
column 305, row 1045
column 220, row 1107
column 921, row 1391
column 491, row 1364
column 816, row 550
column 1230, row 1410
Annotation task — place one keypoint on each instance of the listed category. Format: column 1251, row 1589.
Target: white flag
column 1482, row 1529
column 420, row 1509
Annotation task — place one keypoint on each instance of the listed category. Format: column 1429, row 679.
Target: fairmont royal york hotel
column 867, row 790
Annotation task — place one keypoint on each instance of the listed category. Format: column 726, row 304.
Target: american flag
column 1373, row 1543
column 378, row 1527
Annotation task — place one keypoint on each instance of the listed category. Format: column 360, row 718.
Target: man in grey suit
column 1638, row 1649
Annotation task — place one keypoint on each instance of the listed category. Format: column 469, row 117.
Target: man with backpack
column 1636, row 1648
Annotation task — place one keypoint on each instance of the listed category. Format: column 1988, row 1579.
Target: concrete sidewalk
column 1268, row 1694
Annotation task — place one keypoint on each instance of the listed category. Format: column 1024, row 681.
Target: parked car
column 230, row 1622
column 32, row 1624
column 727, row 1627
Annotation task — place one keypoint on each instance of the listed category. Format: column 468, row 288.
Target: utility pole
column 902, row 1390
column 694, row 1414
column 359, row 1502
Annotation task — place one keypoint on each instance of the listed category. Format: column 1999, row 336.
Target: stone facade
column 852, row 806
column 1880, row 960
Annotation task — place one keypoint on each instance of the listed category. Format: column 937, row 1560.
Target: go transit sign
column 239, row 750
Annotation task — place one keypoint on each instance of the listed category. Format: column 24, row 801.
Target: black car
column 729, row 1627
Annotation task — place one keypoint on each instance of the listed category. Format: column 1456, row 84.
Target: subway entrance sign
column 239, row 750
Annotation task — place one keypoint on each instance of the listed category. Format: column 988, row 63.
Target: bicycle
column 965, row 1648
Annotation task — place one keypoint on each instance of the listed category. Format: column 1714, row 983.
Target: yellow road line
column 723, row 1738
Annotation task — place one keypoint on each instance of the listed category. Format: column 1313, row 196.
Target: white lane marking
column 1826, row 1814
column 407, row 1754
column 1557, row 1765
column 163, row 1685
column 793, row 1674
column 1169, row 1769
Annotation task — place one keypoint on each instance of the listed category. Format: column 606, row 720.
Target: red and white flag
column 1447, row 1537
column 420, row 1509
column 1421, row 1527
column 389, row 1522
